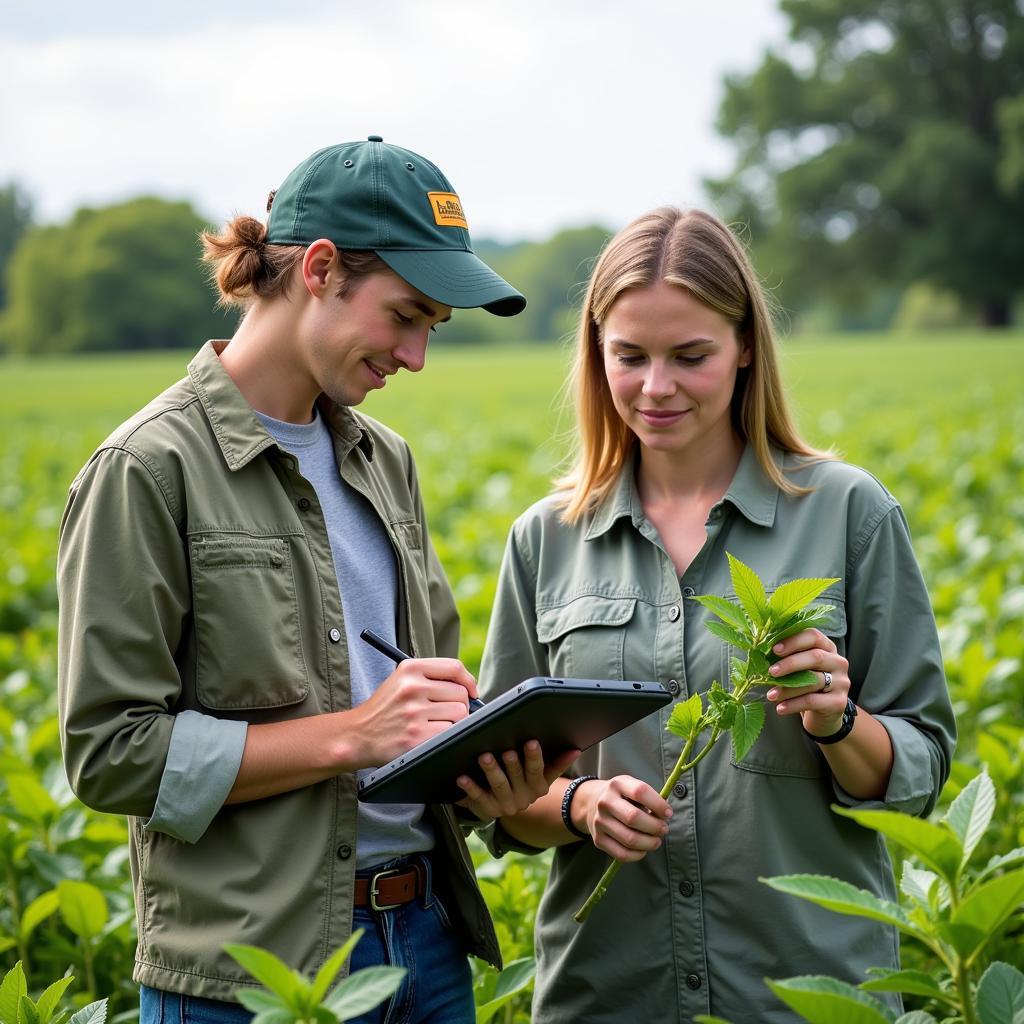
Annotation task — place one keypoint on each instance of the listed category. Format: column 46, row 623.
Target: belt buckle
column 374, row 891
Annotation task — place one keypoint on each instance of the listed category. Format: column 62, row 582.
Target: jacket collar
column 751, row 493
column 238, row 430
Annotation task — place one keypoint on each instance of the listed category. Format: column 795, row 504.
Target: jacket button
column 335, row 635
column 673, row 613
column 679, row 790
column 688, row 591
column 686, row 888
column 693, row 981
column 673, row 687
column 304, row 504
column 344, row 851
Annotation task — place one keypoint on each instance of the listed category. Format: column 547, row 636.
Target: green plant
column 289, row 998
column 17, row 1007
column 955, row 913
column 753, row 625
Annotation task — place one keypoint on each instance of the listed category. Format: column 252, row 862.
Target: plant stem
column 682, row 765
column 963, row 987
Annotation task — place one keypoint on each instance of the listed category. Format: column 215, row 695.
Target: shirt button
column 693, row 981
column 686, row 888
column 335, row 635
column 344, row 851
column 673, row 613
column 679, row 790
column 673, row 687
column 688, row 591
column 304, row 504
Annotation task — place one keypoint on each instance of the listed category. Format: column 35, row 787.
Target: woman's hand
column 821, row 707
column 626, row 818
column 513, row 784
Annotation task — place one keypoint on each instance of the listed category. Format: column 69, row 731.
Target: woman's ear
column 317, row 265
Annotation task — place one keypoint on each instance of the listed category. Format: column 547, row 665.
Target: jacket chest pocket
column 782, row 748
column 246, row 622
column 586, row 636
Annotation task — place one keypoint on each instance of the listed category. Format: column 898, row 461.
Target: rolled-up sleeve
column 896, row 666
column 202, row 765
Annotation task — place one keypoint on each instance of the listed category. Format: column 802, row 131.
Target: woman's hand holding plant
column 820, row 707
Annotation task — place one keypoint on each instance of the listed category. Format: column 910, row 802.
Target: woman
column 686, row 451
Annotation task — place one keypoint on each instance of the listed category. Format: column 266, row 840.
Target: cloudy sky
column 543, row 114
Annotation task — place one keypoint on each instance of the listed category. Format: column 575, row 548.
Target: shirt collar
column 240, row 434
column 751, row 492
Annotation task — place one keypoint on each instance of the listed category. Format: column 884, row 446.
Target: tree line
column 879, row 180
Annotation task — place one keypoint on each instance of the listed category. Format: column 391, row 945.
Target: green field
column 939, row 420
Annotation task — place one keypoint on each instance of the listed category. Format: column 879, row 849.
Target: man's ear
column 318, row 263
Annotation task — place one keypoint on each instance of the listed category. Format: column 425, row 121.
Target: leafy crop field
column 939, row 420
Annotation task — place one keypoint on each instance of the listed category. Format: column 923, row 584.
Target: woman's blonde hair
column 695, row 251
column 244, row 267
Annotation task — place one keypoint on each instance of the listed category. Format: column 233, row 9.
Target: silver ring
column 828, row 682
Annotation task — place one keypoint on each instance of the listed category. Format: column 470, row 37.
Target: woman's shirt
column 690, row 929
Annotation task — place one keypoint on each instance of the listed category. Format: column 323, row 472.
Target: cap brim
column 456, row 277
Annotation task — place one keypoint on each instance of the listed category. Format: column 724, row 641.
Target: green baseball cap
column 375, row 196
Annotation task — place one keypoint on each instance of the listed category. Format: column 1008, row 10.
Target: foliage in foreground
column 953, row 911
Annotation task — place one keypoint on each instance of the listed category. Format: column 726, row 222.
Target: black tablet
column 560, row 713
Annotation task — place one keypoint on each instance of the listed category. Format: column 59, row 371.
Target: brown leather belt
column 388, row 889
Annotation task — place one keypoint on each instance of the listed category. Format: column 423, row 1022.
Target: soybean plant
column 754, row 624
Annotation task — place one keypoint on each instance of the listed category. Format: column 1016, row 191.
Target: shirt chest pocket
column 586, row 636
column 246, row 622
column 782, row 748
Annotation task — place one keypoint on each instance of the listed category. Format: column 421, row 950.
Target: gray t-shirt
column 368, row 581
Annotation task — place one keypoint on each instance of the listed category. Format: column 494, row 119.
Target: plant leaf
column 94, row 1013
column 758, row 663
column 971, row 812
column 685, row 716
column 328, row 972
column 918, row 885
column 259, row 999
column 728, row 611
column 516, row 977
column 12, row 988
column 363, row 990
column 795, row 596
column 27, row 1012
column 916, row 1017
column 805, row 677
column 913, row 982
column 983, row 910
column 840, row 896
column 268, row 970
column 38, row 911
column 829, row 1001
column 1000, row 861
column 83, row 908
column 48, row 1001
column 1000, row 996
column 30, row 798
column 704, row 1018
column 746, row 727
column 726, row 632
column 749, row 590
column 935, row 845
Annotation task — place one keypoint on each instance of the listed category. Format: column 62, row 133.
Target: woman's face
column 671, row 366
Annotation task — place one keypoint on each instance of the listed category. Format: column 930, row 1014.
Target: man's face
column 381, row 326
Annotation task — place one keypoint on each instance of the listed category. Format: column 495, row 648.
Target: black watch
column 844, row 729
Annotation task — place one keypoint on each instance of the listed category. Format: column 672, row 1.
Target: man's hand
column 421, row 698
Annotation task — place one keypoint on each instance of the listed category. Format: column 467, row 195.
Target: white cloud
column 542, row 114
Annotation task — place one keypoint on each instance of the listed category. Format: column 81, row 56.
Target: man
column 220, row 554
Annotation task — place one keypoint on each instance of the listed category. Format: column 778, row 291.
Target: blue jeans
column 437, row 988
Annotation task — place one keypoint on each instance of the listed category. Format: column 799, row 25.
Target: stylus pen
column 397, row 655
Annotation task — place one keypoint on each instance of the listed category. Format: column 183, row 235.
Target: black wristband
column 567, row 804
column 844, row 730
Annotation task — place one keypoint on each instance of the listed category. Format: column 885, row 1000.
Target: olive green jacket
column 690, row 929
column 195, row 574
